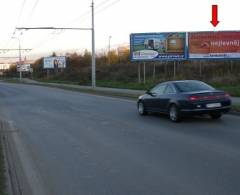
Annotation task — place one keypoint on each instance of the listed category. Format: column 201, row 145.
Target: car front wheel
column 141, row 108
column 174, row 114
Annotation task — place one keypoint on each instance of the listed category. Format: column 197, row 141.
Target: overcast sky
column 115, row 18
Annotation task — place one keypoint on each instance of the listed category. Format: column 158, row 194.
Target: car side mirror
column 150, row 93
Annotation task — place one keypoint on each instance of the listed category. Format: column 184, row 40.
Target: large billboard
column 214, row 45
column 54, row 62
column 158, row 46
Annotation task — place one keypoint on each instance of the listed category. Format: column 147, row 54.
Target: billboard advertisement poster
column 214, row 45
column 158, row 46
column 54, row 62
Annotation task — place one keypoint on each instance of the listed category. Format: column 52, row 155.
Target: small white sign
column 24, row 68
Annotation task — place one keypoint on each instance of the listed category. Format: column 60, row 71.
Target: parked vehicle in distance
column 184, row 98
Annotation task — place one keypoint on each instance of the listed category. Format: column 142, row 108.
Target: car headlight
column 140, row 97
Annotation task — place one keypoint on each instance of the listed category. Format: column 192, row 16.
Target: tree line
column 115, row 67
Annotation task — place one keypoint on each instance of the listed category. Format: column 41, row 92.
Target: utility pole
column 20, row 60
column 93, row 50
column 109, row 49
column 69, row 28
column 19, row 55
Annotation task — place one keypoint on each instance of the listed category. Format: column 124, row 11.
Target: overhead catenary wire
column 19, row 16
column 107, row 6
column 32, row 11
column 18, row 21
column 21, row 11
column 100, row 7
column 87, row 13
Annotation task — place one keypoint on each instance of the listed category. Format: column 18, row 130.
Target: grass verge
column 236, row 108
column 125, row 85
column 95, row 92
column 233, row 90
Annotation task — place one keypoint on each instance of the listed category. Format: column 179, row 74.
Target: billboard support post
column 47, row 73
column 144, row 72
column 139, row 73
column 154, row 71
column 174, row 69
column 165, row 69
column 200, row 68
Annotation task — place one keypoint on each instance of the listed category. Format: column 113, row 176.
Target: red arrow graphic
column 215, row 21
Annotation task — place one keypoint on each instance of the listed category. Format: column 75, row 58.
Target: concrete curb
column 235, row 113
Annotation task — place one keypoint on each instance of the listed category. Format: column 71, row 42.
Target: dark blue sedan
column 184, row 98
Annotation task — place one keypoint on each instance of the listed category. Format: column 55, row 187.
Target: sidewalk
column 120, row 92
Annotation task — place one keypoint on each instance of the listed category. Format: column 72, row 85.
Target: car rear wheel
column 141, row 108
column 174, row 114
column 216, row 115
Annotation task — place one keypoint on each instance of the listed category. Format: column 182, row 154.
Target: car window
column 169, row 90
column 159, row 89
column 189, row 86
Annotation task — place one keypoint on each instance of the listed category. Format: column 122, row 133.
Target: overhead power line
column 51, row 28
column 88, row 13
column 8, row 49
column 4, row 57
column 107, row 6
column 21, row 11
column 32, row 11
column 83, row 16
column 100, row 7
column 18, row 20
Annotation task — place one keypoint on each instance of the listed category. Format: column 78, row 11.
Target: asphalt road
column 72, row 143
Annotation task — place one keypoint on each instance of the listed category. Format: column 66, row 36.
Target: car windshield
column 188, row 86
